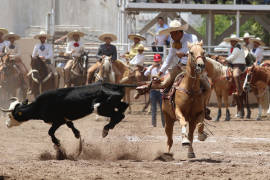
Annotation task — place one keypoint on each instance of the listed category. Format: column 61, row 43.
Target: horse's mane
column 219, row 69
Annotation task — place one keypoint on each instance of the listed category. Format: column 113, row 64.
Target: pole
column 238, row 23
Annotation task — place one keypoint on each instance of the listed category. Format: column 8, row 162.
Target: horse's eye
column 191, row 53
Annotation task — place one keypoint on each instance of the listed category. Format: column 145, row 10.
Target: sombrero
column 3, row 30
column 11, row 34
column 247, row 35
column 103, row 36
column 132, row 36
column 175, row 25
column 70, row 34
column 258, row 40
column 233, row 37
column 141, row 47
column 41, row 34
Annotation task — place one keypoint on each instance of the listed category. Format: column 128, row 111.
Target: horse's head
column 249, row 78
column 39, row 69
column 106, row 70
column 7, row 66
column 196, row 57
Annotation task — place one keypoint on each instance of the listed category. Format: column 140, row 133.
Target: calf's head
column 16, row 115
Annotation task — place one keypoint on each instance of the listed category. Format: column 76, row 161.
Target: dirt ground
column 239, row 149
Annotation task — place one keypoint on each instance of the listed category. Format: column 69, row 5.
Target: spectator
column 257, row 50
column 155, row 95
column 160, row 40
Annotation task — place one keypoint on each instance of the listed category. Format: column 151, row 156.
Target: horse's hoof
column 227, row 119
column 216, row 120
column 185, row 142
column 202, row 136
column 191, row 155
column 105, row 133
column 258, row 118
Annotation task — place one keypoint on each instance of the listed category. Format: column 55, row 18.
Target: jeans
column 155, row 98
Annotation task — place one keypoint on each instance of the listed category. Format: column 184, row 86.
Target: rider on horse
column 3, row 43
column 106, row 49
column 137, row 62
column 74, row 48
column 44, row 51
column 176, row 60
column 257, row 50
column 136, row 38
column 237, row 59
column 14, row 54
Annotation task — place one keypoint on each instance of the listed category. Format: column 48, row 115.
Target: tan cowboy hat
column 233, row 37
column 175, row 25
column 70, row 34
column 132, row 36
column 41, row 34
column 3, row 30
column 258, row 40
column 11, row 34
column 103, row 36
column 141, row 47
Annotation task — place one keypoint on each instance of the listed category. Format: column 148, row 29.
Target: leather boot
column 239, row 89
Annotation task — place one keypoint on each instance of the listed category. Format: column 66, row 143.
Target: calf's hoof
column 77, row 135
column 185, row 142
column 202, row 136
column 105, row 133
column 191, row 155
column 258, row 118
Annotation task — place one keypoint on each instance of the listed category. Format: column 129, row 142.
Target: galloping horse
column 78, row 71
column 224, row 88
column 188, row 103
column 41, row 77
column 257, row 80
column 11, row 79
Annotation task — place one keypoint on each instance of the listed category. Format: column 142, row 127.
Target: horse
column 11, row 79
column 257, row 80
column 224, row 88
column 187, row 105
column 41, row 77
column 78, row 70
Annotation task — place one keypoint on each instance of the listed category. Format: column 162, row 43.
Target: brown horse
column 41, row 77
column 188, row 101
column 11, row 80
column 224, row 87
column 78, row 70
column 257, row 80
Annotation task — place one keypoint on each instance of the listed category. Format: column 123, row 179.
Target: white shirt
column 161, row 40
column 78, row 50
column 137, row 60
column 46, row 52
column 15, row 52
column 172, row 59
column 258, row 53
column 237, row 56
column 3, row 44
column 153, row 72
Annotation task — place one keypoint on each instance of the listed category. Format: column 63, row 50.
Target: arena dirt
column 239, row 149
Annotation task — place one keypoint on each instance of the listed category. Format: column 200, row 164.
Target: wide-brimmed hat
column 70, row 34
column 41, row 34
column 175, row 25
column 247, row 35
column 3, row 30
column 157, row 58
column 233, row 37
column 103, row 36
column 132, row 36
column 141, row 47
column 258, row 40
column 11, row 34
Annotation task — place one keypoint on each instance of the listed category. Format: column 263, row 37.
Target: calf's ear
column 25, row 102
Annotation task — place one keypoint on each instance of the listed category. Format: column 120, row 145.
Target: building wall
column 19, row 15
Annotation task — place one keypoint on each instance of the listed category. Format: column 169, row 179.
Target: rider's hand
column 42, row 57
